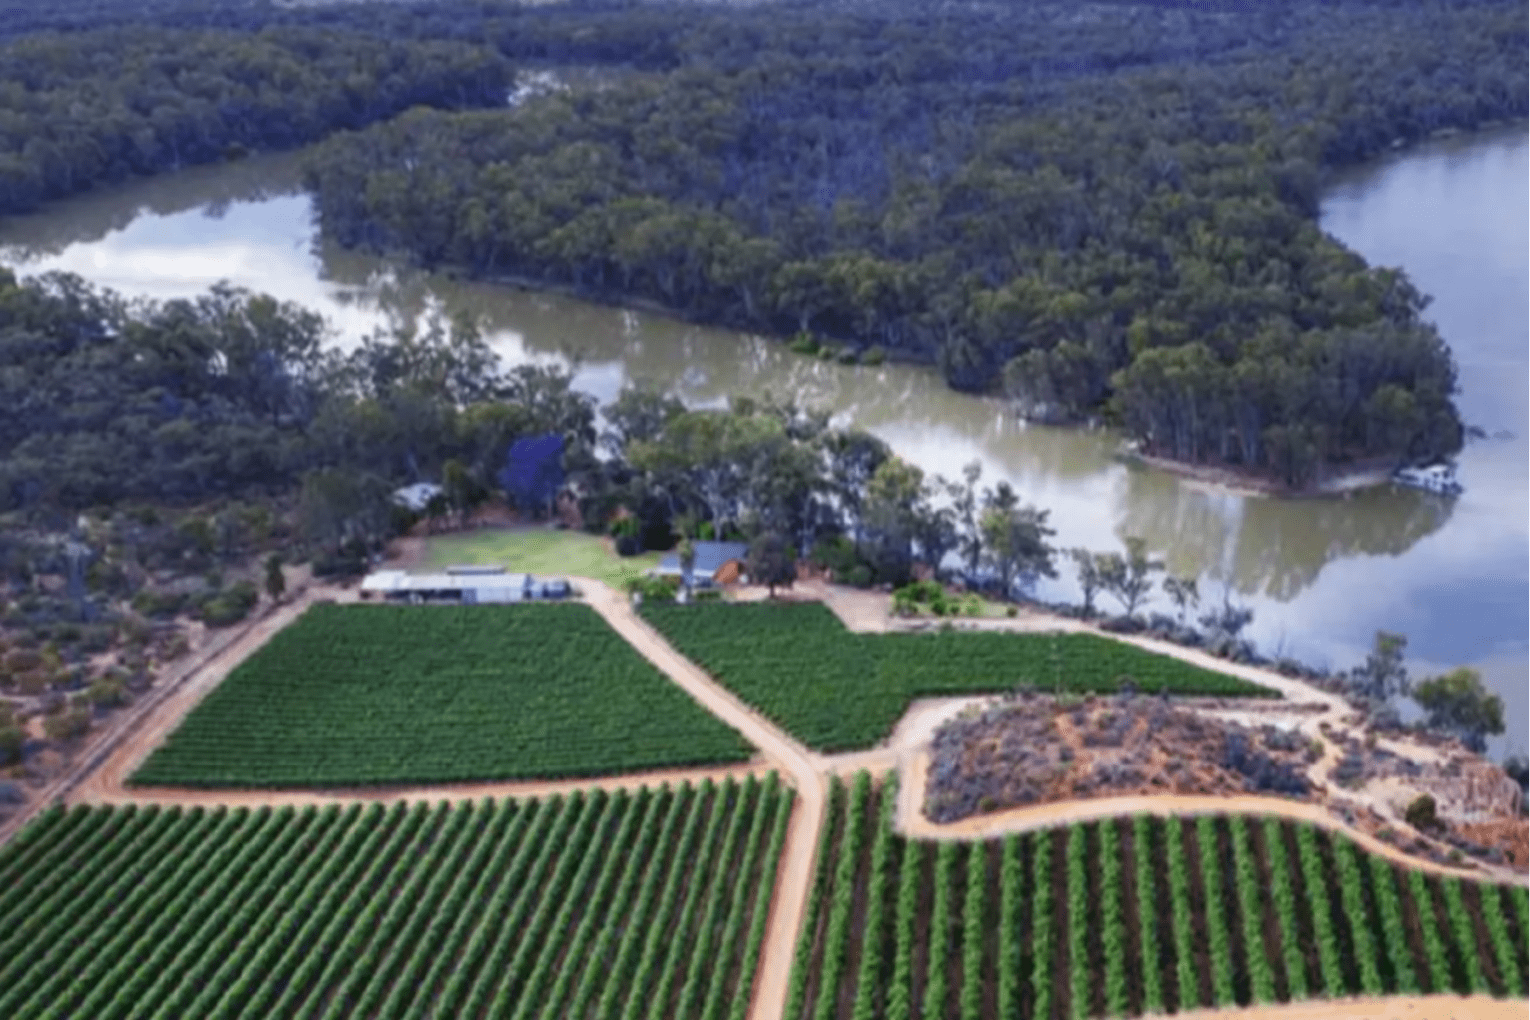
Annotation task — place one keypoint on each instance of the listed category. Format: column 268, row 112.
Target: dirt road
column 125, row 742
column 1414, row 1007
column 804, row 768
column 912, row 822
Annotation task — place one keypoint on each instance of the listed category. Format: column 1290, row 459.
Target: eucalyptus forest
column 1104, row 212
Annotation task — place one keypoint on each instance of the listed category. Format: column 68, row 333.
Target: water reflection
column 1323, row 575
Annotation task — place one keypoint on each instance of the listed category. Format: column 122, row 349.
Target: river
column 1321, row 575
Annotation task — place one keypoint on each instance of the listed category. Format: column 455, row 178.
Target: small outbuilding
column 716, row 562
column 469, row 585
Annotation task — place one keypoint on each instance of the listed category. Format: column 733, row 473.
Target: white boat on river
column 1440, row 478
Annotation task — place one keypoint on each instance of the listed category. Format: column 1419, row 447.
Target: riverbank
column 1230, row 481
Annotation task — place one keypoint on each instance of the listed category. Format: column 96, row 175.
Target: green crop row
column 358, row 694
column 936, row 986
column 1352, row 893
column 1216, row 913
column 866, row 984
column 1261, row 977
column 1043, row 937
column 1465, row 934
column 1112, row 919
column 1179, row 904
column 397, row 913
column 1283, row 896
column 1078, row 933
column 798, row 665
column 1147, row 915
column 973, row 934
column 1011, row 877
column 842, row 899
column 1393, row 933
column 1505, row 952
column 796, row 994
column 1434, row 944
column 1322, row 918
column 764, row 890
column 900, row 990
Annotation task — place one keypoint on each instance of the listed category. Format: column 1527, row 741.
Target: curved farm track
column 912, row 822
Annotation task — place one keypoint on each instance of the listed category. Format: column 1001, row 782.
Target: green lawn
column 540, row 551
column 836, row 690
column 367, row 694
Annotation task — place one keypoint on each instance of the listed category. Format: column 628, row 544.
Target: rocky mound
column 1030, row 749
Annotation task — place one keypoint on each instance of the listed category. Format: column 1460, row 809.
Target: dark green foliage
column 836, row 690
column 375, row 912
column 92, row 107
column 451, row 693
column 1421, row 814
column 1111, row 218
column 900, row 989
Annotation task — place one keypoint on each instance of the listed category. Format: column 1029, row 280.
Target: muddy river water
column 1321, row 575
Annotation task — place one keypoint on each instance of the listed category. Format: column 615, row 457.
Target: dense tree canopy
column 1106, row 214
column 84, row 108
column 1104, row 211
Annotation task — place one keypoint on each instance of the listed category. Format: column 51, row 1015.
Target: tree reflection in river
column 1272, row 547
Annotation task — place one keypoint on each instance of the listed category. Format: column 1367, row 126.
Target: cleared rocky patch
column 1033, row 749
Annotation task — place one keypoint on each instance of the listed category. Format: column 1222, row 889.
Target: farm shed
column 716, row 562
column 468, row 585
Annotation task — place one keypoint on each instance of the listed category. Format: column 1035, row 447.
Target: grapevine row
column 1283, row 897
column 1147, row 916
column 1078, row 926
column 1113, row 919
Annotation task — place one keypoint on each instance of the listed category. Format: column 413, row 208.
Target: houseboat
column 1440, row 478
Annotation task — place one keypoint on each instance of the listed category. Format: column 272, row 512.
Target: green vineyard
column 1130, row 916
column 364, row 695
column 836, row 690
column 638, row 905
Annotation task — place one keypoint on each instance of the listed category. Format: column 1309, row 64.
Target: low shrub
column 1421, row 813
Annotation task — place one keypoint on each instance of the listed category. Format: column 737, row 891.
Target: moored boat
column 1440, row 478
